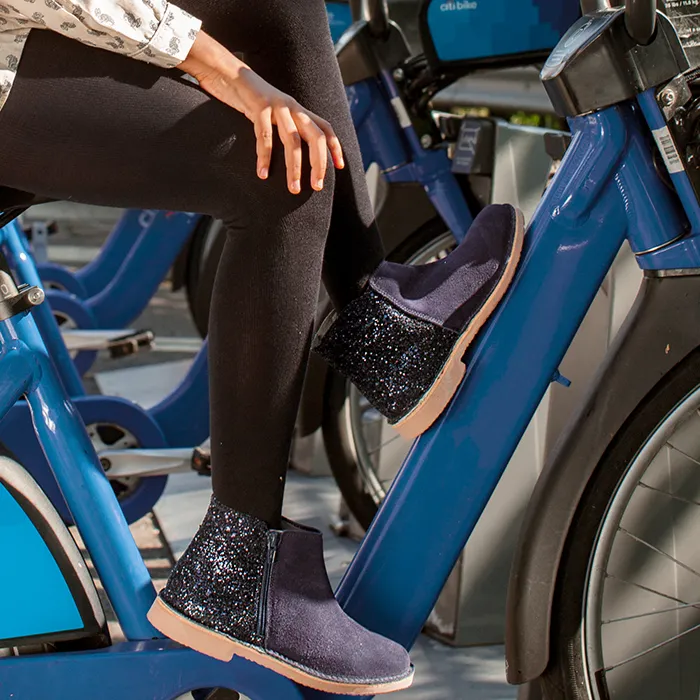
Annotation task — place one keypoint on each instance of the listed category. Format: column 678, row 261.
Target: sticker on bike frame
column 664, row 141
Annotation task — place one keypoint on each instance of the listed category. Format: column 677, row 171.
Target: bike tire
column 567, row 676
column 337, row 436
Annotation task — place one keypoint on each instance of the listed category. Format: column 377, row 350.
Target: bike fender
column 662, row 328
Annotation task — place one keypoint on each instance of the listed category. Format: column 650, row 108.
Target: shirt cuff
column 173, row 39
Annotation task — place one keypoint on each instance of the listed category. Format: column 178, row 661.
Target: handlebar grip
column 640, row 20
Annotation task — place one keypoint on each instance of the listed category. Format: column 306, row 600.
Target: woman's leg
column 100, row 128
column 289, row 44
column 91, row 126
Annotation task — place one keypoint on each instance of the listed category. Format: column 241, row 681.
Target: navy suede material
column 451, row 291
column 305, row 623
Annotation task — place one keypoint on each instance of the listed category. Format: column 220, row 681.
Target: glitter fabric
column 269, row 589
column 391, row 357
column 218, row 580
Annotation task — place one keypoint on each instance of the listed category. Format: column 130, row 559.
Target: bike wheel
column 626, row 615
column 364, row 451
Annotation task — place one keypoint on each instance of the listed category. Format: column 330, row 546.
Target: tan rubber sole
column 436, row 399
column 195, row 636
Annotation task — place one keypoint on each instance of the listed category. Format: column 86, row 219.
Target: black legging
column 91, row 126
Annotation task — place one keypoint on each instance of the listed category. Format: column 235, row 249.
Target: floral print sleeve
column 155, row 31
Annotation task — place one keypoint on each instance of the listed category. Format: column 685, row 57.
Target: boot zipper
column 273, row 540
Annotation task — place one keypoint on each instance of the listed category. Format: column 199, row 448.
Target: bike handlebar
column 640, row 20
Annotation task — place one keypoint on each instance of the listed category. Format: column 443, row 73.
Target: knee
column 271, row 209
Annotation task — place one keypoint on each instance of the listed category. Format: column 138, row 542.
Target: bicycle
column 363, row 451
column 144, row 244
column 429, row 173
column 138, row 447
column 611, row 185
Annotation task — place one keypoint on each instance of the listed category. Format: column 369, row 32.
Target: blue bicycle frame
column 606, row 189
column 388, row 138
column 181, row 419
column 141, row 239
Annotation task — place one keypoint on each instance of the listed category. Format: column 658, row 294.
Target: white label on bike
column 401, row 112
column 664, row 141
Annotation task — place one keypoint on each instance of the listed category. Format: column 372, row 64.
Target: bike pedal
column 130, row 344
column 201, row 460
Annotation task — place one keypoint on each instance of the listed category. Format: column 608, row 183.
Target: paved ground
column 442, row 672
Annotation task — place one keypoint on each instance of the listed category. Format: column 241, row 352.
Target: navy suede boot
column 402, row 341
column 243, row 588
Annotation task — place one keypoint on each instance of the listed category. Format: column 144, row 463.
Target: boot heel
column 188, row 633
column 435, row 401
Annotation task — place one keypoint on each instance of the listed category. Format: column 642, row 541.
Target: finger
column 289, row 134
column 318, row 147
column 333, row 142
column 263, row 146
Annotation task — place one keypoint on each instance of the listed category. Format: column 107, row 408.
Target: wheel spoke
column 685, row 454
column 384, row 444
column 674, row 496
column 653, row 648
column 645, row 588
column 685, row 606
column 658, row 551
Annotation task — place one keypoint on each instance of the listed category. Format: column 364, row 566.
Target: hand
column 230, row 80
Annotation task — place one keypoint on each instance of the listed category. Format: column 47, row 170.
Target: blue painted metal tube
column 448, row 200
column 89, row 495
column 655, row 119
column 17, row 370
column 389, row 85
column 123, row 300
column 16, row 245
column 183, row 416
column 120, row 242
column 381, row 139
column 451, row 472
column 655, row 218
column 433, row 169
column 92, row 502
column 62, row 276
column 684, row 253
column 157, row 670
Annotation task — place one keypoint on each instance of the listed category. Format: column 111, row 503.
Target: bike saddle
column 13, row 202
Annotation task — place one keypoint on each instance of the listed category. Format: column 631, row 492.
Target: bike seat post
column 28, row 371
column 14, row 242
column 18, row 372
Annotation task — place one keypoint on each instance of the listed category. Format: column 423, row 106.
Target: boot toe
column 342, row 651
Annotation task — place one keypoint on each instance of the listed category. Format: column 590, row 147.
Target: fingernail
column 296, row 186
column 319, row 184
column 263, row 173
column 341, row 163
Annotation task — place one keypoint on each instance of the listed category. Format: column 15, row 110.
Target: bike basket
column 479, row 33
